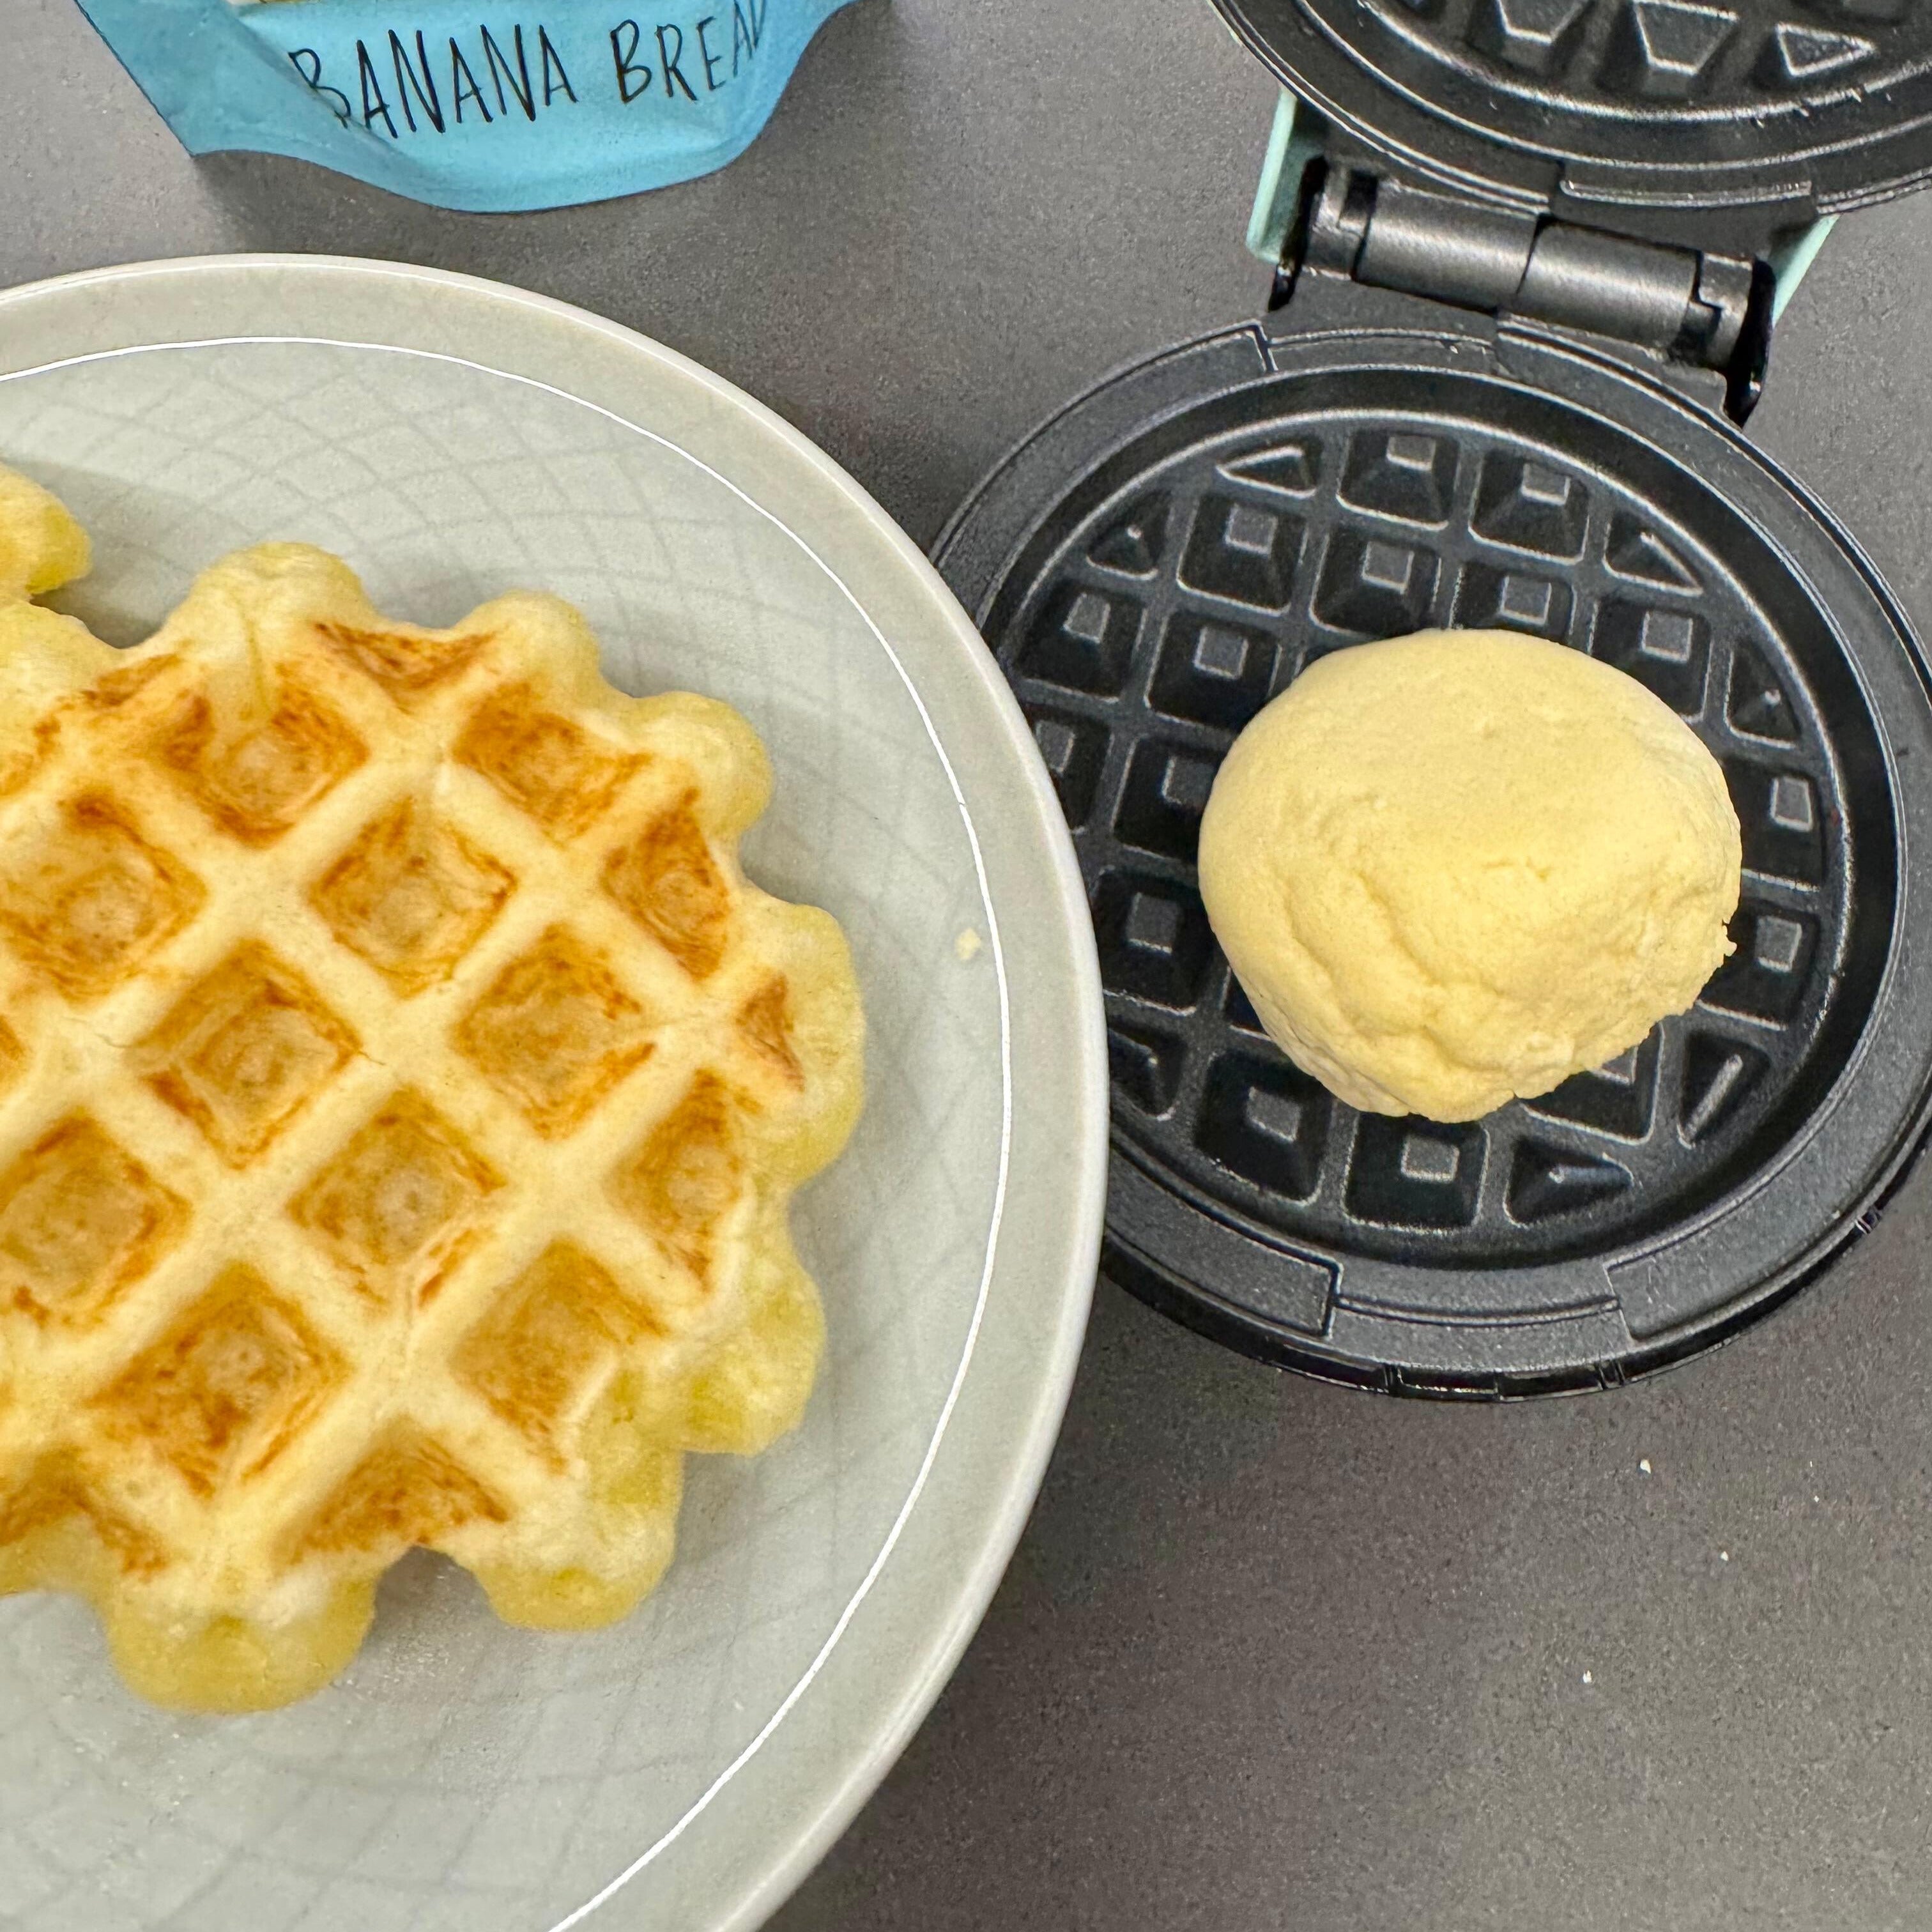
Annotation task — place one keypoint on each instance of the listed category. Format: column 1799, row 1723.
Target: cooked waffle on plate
column 401, row 1090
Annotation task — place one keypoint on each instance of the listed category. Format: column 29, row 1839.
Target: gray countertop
column 1270, row 1655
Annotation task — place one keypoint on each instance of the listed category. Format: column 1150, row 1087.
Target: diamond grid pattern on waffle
column 1170, row 615
column 361, row 1223
column 226, row 1387
column 602, row 1744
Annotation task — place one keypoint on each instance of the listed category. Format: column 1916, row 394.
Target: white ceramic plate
column 683, row 1769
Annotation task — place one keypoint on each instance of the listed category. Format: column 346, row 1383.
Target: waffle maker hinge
column 1693, row 309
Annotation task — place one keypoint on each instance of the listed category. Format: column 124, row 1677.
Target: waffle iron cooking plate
column 1157, row 561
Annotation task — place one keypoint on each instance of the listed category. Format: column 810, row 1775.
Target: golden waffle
column 401, row 1090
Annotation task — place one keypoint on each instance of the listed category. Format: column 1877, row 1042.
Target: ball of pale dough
column 1455, row 868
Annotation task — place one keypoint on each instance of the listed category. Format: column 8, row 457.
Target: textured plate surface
column 1754, row 114
column 451, row 440
column 1165, row 592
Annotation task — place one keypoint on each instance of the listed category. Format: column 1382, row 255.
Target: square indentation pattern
column 1530, row 506
column 1401, row 473
column 1490, row 598
column 1268, row 1121
column 1666, row 648
column 1166, row 793
column 395, row 1206
column 408, row 1489
column 80, row 1220
column 555, row 1031
column 412, row 895
column 667, row 879
column 1212, row 672
column 1243, row 552
column 687, row 1175
column 1084, row 639
column 1778, row 815
column 1376, row 587
column 545, row 764
column 1075, row 753
column 244, row 1050
column 227, row 1385
column 1416, row 1174
column 256, row 777
column 1146, row 1063
column 1765, row 977
column 537, row 1349
column 1154, row 939
column 91, row 897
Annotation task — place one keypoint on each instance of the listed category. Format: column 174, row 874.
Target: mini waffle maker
column 1529, row 253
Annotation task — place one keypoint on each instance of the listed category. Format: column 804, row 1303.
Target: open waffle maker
column 1529, row 254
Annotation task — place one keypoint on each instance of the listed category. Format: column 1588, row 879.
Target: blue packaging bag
column 476, row 104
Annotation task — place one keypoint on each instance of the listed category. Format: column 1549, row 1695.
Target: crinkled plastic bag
column 481, row 104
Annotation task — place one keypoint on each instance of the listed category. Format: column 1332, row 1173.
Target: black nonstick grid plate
column 1173, row 549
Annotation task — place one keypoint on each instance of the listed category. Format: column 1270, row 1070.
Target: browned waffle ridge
column 401, row 1092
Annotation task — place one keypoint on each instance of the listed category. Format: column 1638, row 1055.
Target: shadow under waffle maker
column 1497, row 388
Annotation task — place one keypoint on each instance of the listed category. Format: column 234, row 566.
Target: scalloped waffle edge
column 401, row 1092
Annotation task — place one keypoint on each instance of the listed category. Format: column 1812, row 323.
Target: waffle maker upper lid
column 1713, row 123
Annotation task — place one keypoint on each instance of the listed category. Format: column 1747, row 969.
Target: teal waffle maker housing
column 1527, row 256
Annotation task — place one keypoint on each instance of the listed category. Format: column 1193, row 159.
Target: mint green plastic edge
column 1268, row 219
column 1790, row 259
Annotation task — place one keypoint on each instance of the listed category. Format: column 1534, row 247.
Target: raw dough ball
column 1459, row 867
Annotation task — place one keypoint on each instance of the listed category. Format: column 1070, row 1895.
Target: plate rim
column 924, row 1662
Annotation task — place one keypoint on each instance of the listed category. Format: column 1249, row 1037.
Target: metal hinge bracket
column 1693, row 309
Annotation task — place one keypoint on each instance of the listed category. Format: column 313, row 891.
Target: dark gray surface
column 1270, row 1655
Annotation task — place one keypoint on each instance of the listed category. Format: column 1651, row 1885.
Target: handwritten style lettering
column 333, row 98
column 634, row 78
column 495, row 72
column 409, row 81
